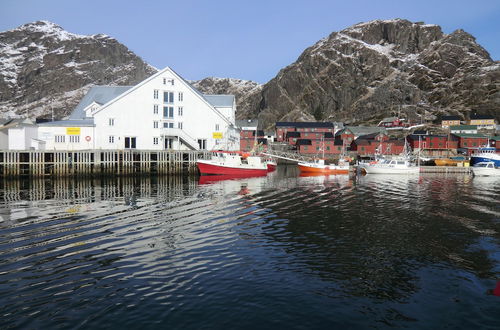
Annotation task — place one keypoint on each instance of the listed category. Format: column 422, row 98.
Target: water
column 279, row 252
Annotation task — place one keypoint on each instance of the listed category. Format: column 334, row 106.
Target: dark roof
column 328, row 135
column 363, row 142
column 338, row 142
column 396, row 142
column 292, row 134
column 304, row 142
column 424, row 137
column 473, row 136
column 304, row 124
column 262, row 140
column 451, row 118
column 259, row 133
column 371, row 136
column 481, row 117
column 420, row 132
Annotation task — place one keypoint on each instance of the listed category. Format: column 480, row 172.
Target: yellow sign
column 217, row 135
column 72, row 130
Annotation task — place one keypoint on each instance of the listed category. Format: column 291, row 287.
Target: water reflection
column 274, row 250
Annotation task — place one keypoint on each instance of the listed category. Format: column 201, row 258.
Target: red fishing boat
column 232, row 163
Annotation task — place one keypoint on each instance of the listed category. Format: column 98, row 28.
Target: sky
column 249, row 40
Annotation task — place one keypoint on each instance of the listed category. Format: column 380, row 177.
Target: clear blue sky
column 242, row 39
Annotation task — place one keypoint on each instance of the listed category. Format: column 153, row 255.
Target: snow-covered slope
column 44, row 68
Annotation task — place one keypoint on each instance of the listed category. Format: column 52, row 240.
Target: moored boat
column 485, row 169
column 391, row 166
column 232, row 163
column 320, row 167
column 485, row 154
column 452, row 161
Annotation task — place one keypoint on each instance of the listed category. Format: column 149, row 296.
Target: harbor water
column 276, row 252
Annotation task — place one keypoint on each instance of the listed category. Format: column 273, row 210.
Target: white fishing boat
column 485, row 169
column 391, row 166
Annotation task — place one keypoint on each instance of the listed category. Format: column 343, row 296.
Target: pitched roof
column 451, row 118
column 304, row 124
column 88, row 122
column 464, row 135
column 472, row 117
column 370, row 136
column 292, row 134
column 363, row 130
column 247, row 123
column 463, row 127
column 98, row 94
column 304, row 142
column 220, row 101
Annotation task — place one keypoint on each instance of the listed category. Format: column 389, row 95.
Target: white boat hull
column 380, row 169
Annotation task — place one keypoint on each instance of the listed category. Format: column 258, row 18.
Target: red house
column 282, row 128
column 470, row 142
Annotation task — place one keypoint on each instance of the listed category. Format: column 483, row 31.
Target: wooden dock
column 38, row 163
column 446, row 169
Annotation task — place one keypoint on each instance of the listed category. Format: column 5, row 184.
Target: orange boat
column 450, row 161
column 320, row 167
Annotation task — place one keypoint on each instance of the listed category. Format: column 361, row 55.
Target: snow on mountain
column 45, row 69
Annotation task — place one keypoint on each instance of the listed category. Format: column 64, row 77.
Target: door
column 130, row 142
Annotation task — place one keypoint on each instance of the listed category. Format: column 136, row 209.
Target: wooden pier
column 446, row 169
column 38, row 163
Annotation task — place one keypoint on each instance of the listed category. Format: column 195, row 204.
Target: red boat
column 232, row 163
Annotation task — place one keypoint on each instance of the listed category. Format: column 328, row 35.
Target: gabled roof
column 159, row 73
column 472, row 117
column 292, row 134
column 475, row 136
column 370, row 136
column 88, row 122
column 220, row 101
column 304, row 142
column 362, row 130
column 463, row 127
column 304, row 124
column 98, row 94
column 451, row 118
column 247, row 123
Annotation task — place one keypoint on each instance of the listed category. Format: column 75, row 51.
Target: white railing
column 177, row 132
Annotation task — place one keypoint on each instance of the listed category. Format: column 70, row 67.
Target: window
column 59, row 138
column 130, row 142
column 155, row 140
column 202, row 143
column 168, row 112
column 111, row 139
column 164, row 81
column 155, row 109
column 74, row 139
column 217, row 127
column 155, row 94
column 155, row 124
column 181, row 96
column 168, row 97
column 180, row 111
column 305, row 148
column 111, row 122
column 168, row 125
column 179, row 125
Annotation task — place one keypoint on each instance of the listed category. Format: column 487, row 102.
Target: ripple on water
column 283, row 251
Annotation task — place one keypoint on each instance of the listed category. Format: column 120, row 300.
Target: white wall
column 133, row 116
column 48, row 134
column 20, row 137
column 4, row 139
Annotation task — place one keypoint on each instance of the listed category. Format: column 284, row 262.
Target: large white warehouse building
column 162, row 112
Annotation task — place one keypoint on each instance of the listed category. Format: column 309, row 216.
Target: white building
column 162, row 112
column 19, row 134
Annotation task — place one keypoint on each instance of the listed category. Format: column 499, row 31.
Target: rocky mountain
column 45, row 68
column 375, row 69
column 247, row 92
column 358, row 75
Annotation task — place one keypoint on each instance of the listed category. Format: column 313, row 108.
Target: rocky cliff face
column 247, row 92
column 44, row 68
column 375, row 69
column 358, row 75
